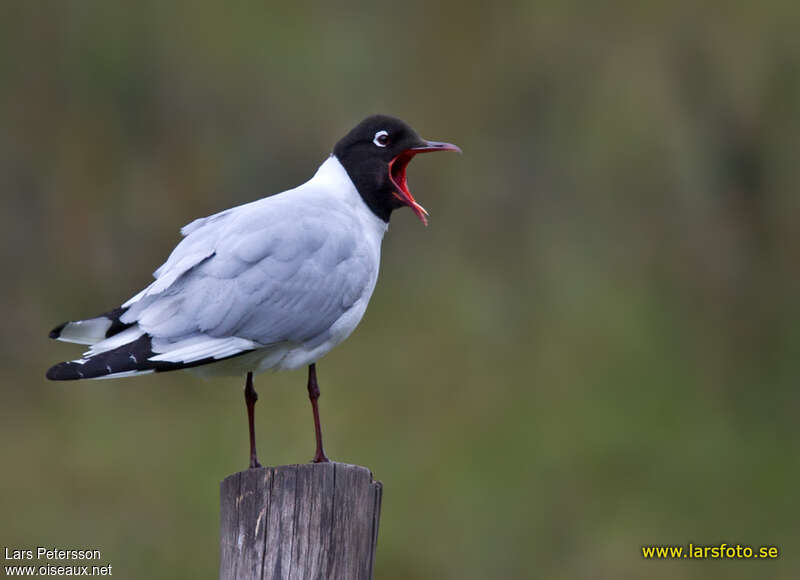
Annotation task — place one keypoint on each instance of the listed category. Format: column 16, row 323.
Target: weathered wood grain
column 315, row 520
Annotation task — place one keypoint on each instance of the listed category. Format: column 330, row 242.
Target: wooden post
column 316, row 520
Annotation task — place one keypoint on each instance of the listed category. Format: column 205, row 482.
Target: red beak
column 397, row 173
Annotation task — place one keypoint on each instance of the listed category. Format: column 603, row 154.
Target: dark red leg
column 250, row 398
column 313, row 395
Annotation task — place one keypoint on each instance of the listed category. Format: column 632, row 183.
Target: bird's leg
column 250, row 398
column 313, row 395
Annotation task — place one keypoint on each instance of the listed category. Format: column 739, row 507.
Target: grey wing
column 267, row 276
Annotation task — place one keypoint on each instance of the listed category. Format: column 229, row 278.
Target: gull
column 273, row 284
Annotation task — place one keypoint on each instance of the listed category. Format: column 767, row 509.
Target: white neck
column 333, row 178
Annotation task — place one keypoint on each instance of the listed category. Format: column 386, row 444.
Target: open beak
column 397, row 173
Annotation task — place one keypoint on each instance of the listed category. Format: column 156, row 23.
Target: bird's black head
column 375, row 154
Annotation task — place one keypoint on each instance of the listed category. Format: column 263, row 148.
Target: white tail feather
column 85, row 331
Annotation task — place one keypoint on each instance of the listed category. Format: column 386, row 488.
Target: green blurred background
column 594, row 346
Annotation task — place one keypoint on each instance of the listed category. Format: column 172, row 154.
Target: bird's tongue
column 397, row 173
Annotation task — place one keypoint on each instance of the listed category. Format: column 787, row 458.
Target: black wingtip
column 134, row 356
column 62, row 372
column 56, row 332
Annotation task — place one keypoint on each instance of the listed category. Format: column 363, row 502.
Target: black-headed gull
column 272, row 284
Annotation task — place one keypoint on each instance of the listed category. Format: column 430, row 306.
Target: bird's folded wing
column 274, row 273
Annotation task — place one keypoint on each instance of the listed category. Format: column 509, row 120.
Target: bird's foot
column 320, row 457
column 254, row 464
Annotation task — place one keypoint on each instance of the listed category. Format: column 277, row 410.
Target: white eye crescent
column 381, row 138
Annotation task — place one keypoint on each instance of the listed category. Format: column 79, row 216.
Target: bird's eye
column 381, row 138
